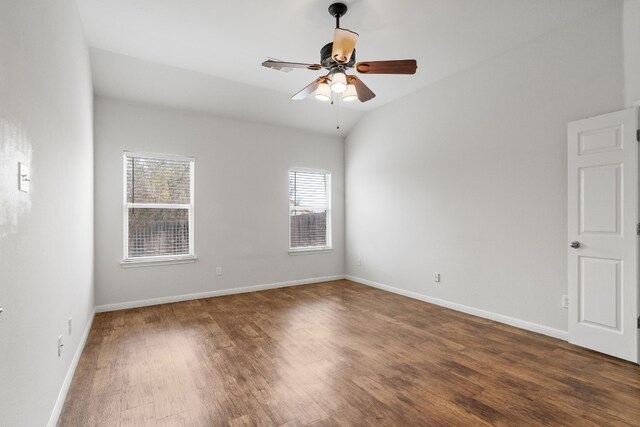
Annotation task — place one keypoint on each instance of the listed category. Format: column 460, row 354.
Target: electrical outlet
column 219, row 271
column 359, row 262
column 565, row 301
column 70, row 325
column 436, row 277
column 60, row 345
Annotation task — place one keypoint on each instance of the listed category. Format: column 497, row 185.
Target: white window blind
column 158, row 207
column 309, row 210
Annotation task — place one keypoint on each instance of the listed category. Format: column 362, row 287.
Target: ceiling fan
column 338, row 57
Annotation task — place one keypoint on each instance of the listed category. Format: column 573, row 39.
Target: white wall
column 46, row 236
column 468, row 176
column 241, row 200
column 123, row 77
column 631, row 34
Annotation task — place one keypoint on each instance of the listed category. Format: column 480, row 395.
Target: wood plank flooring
column 337, row 353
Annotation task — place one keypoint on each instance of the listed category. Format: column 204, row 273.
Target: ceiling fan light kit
column 351, row 94
column 323, row 93
column 338, row 57
column 338, row 81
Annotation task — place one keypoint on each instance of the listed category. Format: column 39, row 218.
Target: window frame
column 329, row 240
column 126, row 205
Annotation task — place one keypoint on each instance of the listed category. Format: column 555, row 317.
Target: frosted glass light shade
column 338, row 82
column 351, row 94
column 323, row 93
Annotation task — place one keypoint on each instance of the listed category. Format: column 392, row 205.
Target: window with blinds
column 309, row 210
column 158, row 207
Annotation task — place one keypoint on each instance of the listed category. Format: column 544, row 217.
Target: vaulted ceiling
column 205, row 55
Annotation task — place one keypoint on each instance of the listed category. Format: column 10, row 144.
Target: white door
column 603, row 241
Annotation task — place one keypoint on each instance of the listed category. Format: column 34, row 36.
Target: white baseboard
column 230, row 291
column 518, row 323
column 57, row 409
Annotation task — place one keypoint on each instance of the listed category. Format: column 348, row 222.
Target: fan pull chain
column 337, row 113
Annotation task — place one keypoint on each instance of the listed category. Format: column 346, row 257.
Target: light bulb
column 351, row 94
column 338, row 82
column 323, row 93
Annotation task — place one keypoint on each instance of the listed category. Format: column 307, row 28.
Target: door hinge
column 638, row 229
column 638, row 322
column 638, row 135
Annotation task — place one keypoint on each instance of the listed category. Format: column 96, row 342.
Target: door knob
column 575, row 244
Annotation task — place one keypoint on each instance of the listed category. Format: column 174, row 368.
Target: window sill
column 309, row 251
column 147, row 262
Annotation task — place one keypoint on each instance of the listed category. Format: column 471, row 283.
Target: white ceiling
column 219, row 45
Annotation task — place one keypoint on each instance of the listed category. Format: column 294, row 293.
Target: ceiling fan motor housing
column 327, row 61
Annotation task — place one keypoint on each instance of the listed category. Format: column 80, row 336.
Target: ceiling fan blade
column 402, row 66
column 344, row 42
column 364, row 93
column 287, row 66
column 309, row 89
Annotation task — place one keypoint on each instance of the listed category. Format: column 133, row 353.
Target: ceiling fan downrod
column 338, row 10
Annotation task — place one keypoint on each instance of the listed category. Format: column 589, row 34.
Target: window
column 309, row 210
column 158, row 207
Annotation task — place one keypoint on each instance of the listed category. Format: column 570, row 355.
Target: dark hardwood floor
column 337, row 353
